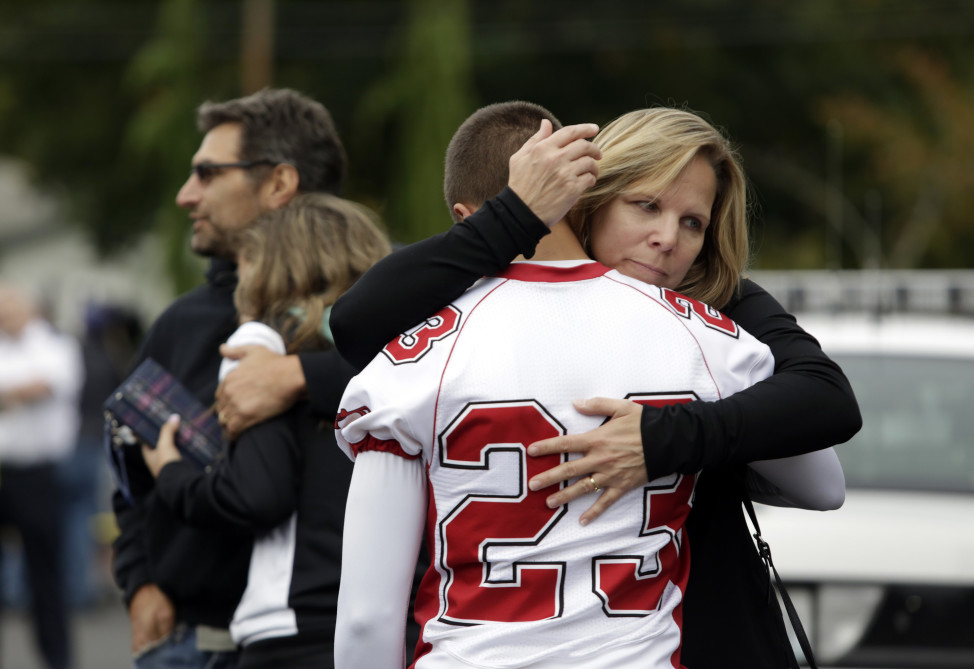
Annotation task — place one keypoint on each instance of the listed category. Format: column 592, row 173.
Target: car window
column 918, row 423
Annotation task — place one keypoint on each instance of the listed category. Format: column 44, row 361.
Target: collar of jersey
column 554, row 271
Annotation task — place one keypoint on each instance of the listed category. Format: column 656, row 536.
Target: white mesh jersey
column 513, row 583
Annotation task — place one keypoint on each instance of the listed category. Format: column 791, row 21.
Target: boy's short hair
column 478, row 157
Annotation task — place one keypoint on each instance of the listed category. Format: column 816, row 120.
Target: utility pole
column 256, row 45
column 834, row 227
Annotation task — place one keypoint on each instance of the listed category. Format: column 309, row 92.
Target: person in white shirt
column 41, row 374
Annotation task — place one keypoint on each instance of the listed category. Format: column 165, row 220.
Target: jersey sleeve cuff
column 370, row 443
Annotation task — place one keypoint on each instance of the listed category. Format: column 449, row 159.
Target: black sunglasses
column 206, row 171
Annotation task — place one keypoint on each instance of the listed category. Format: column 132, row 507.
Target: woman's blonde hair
column 302, row 257
column 658, row 144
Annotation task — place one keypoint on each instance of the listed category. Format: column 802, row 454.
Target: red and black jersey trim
column 370, row 443
column 527, row 271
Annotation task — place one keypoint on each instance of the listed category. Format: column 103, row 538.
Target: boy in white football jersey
column 438, row 425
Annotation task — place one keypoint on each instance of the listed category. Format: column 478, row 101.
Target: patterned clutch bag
column 136, row 410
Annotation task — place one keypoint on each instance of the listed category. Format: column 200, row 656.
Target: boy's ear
column 461, row 210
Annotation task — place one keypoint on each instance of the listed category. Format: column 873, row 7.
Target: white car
column 888, row 579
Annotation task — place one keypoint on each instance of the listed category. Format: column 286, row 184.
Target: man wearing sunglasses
column 181, row 585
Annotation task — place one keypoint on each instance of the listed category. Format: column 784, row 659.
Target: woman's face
column 655, row 237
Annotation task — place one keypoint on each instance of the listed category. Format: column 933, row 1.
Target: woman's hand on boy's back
column 612, row 461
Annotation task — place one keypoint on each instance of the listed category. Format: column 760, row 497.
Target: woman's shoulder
column 749, row 296
column 748, row 288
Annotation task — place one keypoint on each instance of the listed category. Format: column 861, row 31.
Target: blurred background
column 853, row 117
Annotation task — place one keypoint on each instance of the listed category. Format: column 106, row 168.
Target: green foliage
column 851, row 115
column 425, row 96
column 60, row 111
column 918, row 151
column 160, row 137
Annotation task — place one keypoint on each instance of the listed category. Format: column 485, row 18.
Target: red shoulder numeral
column 414, row 344
column 685, row 306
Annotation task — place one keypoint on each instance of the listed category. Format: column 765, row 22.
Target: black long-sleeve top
column 806, row 405
column 286, row 466
column 202, row 572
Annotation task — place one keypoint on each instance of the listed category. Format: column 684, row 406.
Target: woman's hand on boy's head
column 553, row 169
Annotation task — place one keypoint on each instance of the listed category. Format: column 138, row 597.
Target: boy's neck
column 560, row 244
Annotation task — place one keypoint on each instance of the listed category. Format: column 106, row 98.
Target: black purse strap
column 774, row 582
